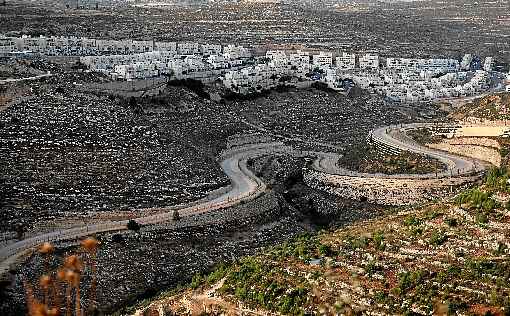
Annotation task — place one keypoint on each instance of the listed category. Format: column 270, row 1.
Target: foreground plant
column 69, row 274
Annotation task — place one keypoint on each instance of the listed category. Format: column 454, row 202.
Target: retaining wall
column 385, row 191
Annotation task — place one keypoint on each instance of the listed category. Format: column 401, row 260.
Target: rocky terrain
column 76, row 155
column 136, row 265
column 66, row 153
column 491, row 108
column 325, row 116
column 441, row 258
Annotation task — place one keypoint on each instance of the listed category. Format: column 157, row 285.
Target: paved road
column 9, row 80
column 244, row 186
column 393, row 137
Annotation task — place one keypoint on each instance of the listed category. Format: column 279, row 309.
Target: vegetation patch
column 368, row 159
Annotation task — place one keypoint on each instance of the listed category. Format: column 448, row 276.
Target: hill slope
column 439, row 258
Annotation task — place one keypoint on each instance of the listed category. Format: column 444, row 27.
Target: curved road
column 245, row 186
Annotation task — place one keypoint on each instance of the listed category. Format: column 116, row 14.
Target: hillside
column 439, row 258
column 492, row 107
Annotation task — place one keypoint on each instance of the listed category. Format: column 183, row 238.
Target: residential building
column 188, row 48
column 488, row 64
column 210, row 49
column 322, row 60
column 466, row 62
column 7, row 45
column 369, row 61
column 346, row 61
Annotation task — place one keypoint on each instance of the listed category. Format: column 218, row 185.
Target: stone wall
column 385, row 191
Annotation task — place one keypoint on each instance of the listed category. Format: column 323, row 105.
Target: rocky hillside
column 443, row 258
column 492, row 107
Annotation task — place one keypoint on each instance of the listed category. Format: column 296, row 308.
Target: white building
column 218, row 62
column 188, row 48
column 427, row 65
column 369, row 61
column 166, row 46
column 210, row 49
column 139, row 70
column 466, row 62
column 7, row 45
column 278, row 56
column 236, row 52
column 142, row 46
column 323, row 59
column 346, row 61
column 299, row 58
column 488, row 64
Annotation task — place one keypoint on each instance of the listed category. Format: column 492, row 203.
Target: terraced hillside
column 439, row 258
column 492, row 107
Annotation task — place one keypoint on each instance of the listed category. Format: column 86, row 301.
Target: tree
column 20, row 231
column 133, row 225
column 176, row 216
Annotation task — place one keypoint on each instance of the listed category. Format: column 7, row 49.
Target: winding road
column 246, row 186
column 11, row 80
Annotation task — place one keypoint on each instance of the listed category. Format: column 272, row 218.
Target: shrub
column 360, row 242
column 412, row 220
column 133, row 225
column 379, row 241
column 454, row 306
column 452, row 222
column 371, row 267
column 482, row 218
column 437, row 238
column 408, row 280
column 196, row 281
column 497, row 179
column 219, row 272
column 477, row 199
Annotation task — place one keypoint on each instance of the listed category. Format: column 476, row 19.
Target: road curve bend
column 244, row 186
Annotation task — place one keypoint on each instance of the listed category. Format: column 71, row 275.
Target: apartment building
column 218, row 62
column 7, row 45
column 277, row 56
column 346, row 61
column 210, row 49
column 236, row 52
column 323, row 59
column 369, row 61
column 466, row 62
column 488, row 64
column 188, row 48
column 166, row 46
column 299, row 59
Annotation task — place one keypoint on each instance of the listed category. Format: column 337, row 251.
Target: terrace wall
column 385, row 191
